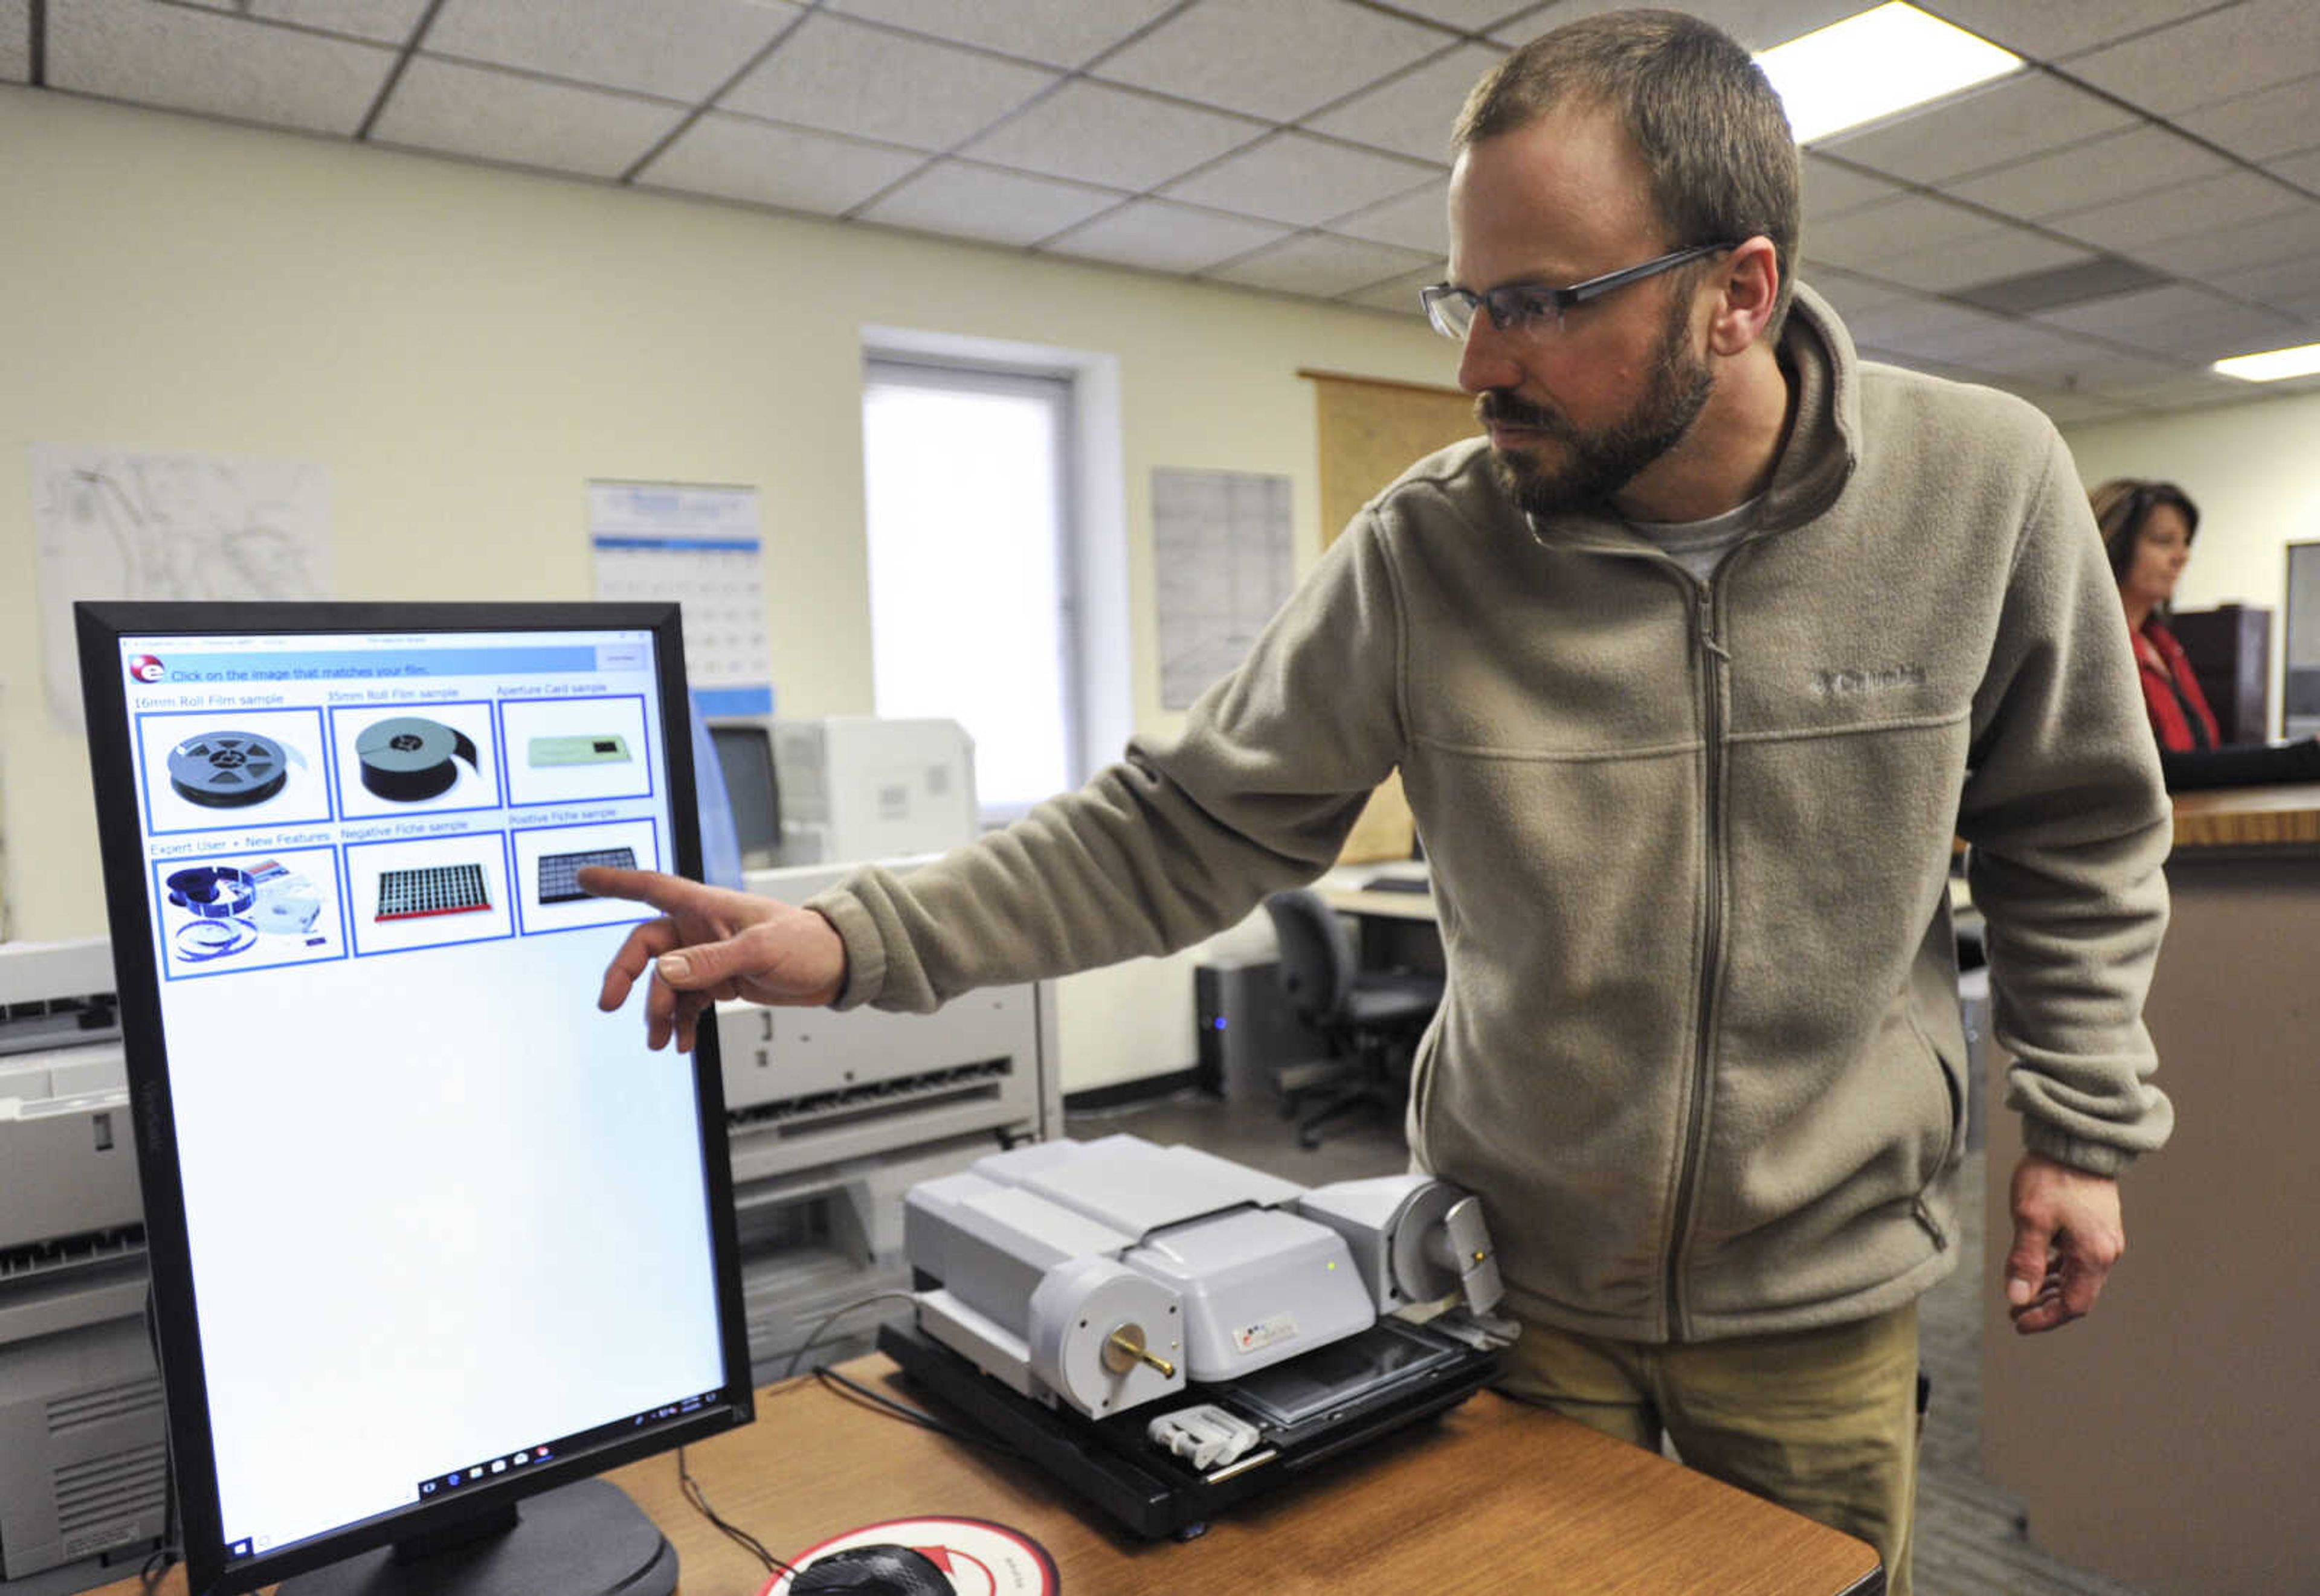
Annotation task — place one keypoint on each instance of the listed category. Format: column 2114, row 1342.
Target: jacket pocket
column 1952, row 1079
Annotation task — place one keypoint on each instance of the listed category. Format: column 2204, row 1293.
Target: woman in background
column 2147, row 528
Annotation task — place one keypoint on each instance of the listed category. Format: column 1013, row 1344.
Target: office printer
column 1169, row 1332
column 83, row 1456
column 832, row 1117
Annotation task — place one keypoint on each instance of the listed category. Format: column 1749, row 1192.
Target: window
column 978, row 587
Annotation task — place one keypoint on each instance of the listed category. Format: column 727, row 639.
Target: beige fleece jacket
column 1700, row 1054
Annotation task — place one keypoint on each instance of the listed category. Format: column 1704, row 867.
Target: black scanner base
column 1111, row 1465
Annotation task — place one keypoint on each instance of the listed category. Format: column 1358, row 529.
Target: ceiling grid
column 2089, row 231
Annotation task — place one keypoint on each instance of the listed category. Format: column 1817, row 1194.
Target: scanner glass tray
column 1293, row 1400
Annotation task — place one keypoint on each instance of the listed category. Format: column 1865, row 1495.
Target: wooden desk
column 1492, row 1498
column 1370, row 905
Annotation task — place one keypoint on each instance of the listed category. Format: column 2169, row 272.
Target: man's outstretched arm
column 709, row 944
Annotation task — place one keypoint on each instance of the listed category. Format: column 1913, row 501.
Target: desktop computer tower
column 1247, row 1030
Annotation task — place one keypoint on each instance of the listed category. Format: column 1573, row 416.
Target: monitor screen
column 427, row 1228
column 745, row 753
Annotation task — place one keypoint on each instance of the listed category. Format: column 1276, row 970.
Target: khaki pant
column 1825, row 1422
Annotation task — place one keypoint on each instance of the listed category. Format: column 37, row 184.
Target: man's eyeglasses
column 1528, row 308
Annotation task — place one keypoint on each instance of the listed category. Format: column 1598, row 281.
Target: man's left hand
column 2067, row 1235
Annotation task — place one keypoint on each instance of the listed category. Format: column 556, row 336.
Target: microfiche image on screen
column 444, row 1223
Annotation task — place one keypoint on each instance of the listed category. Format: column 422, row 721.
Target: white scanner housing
column 1104, row 1274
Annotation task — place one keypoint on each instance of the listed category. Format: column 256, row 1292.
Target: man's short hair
column 1700, row 112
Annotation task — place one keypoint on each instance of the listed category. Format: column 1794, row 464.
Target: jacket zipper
column 1711, row 654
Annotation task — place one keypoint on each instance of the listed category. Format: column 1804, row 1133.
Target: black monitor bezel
column 101, row 627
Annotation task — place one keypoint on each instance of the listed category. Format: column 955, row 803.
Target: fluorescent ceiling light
column 1875, row 64
column 2272, row 365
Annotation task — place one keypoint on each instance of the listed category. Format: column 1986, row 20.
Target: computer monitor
column 745, row 753
column 430, row 1236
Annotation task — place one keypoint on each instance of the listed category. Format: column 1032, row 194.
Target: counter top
column 2248, row 817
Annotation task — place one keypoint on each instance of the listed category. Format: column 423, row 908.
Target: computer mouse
column 873, row 1570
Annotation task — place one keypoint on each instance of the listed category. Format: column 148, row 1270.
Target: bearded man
column 1693, row 670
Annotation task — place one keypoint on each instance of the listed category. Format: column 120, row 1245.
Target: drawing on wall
column 116, row 523
column 1223, row 566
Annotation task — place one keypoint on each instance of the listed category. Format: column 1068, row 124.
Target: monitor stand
column 583, row 1539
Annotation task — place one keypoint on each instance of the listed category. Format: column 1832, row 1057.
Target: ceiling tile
column 1853, row 295
column 740, row 159
column 2238, row 49
column 2302, row 169
column 2115, row 166
column 2271, row 122
column 15, row 41
column 2099, row 373
column 845, row 77
column 1984, row 257
column 1830, row 190
column 1276, row 59
column 1419, row 220
column 386, row 22
column 1162, row 236
column 1879, row 232
column 1061, row 33
column 191, row 61
column 2292, row 234
column 968, row 201
column 2177, row 319
column 1758, row 24
column 2063, row 409
column 2019, row 116
column 2020, row 348
column 1918, row 323
column 490, row 115
column 1115, row 136
column 2207, row 205
column 1292, row 177
column 684, row 49
column 1401, row 294
column 1412, row 113
column 2290, row 286
column 1472, row 15
column 2191, row 390
column 1323, row 264
column 2048, row 33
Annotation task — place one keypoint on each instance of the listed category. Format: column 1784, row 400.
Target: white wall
column 2254, row 470
column 464, row 347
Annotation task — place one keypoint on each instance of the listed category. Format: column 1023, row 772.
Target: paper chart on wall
column 116, row 523
column 699, row 546
column 1221, row 554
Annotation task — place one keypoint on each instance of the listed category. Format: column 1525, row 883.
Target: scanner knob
column 1124, row 1349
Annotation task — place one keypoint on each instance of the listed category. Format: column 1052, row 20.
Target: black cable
column 168, row 1552
column 909, row 1415
column 157, row 1567
column 814, row 1337
column 732, row 1532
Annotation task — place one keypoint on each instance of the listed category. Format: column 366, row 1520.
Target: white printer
column 84, row 1476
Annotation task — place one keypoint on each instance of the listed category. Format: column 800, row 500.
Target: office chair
column 1370, row 1020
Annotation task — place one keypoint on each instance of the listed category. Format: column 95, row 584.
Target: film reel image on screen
column 237, row 769
column 222, row 916
column 436, row 757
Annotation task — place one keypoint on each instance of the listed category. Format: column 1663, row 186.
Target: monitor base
column 584, row 1539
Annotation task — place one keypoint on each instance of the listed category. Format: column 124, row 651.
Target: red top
column 2179, row 715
